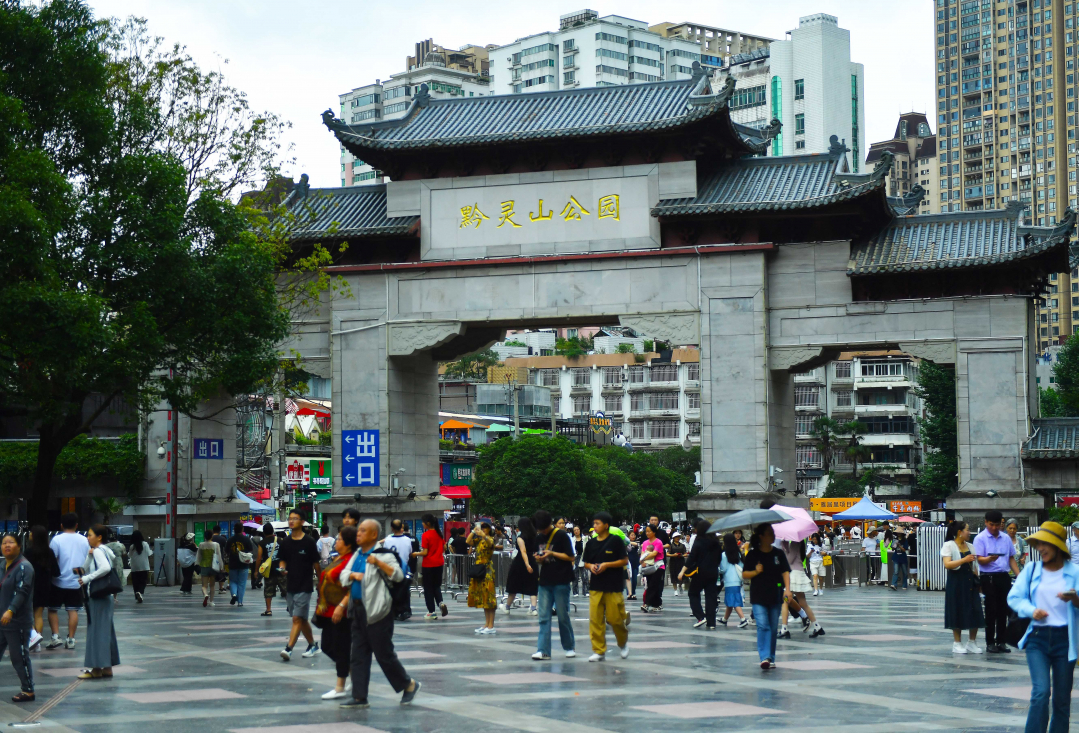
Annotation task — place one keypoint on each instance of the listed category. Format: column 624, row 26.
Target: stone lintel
column 782, row 358
column 408, row 338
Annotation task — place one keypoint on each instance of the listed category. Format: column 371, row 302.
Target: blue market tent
column 254, row 507
column 864, row 509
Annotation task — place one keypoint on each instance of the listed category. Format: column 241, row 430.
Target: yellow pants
column 603, row 609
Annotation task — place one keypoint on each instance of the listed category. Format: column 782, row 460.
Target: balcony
column 663, row 412
column 882, row 410
column 889, row 440
column 842, row 409
column 666, row 385
column 613, row 387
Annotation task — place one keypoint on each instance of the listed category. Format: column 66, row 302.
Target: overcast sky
column 295, row 58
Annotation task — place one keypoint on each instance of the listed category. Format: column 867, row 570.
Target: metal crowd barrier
column 455, row 578
column 931, row 572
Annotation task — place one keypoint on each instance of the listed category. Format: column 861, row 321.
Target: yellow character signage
column 532, row 216
column 608, row 207
column 573, row 210
column 507, row 215
column 472, row 215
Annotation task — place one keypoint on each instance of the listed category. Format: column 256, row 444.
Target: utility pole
column 516, row 409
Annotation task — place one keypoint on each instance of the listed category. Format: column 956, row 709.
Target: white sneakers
column 959, row 647
column 533, row 611
column 597, row 658
column 484, row 630
column 541, row 657
column 623, row 651
column 70, row 643
column 973, row 648
column 334, row 694
column 571, row 654
column 504, row 609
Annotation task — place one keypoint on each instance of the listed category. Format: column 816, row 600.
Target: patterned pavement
column 885, row 662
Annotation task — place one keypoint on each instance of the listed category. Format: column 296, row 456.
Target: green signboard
column 321, row 474
column 457, row 474
column 200, row 528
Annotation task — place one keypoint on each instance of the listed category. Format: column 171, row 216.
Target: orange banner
column 905, row 507
column 831, row 505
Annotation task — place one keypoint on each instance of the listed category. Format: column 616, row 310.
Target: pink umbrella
column 909, row 520
column 800, row 526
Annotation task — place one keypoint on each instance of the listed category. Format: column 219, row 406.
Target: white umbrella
column 748, row 518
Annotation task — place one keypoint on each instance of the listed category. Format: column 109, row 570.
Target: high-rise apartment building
column 915, row 149
column 808, row 83
column 447, row 73
column 1006, row 120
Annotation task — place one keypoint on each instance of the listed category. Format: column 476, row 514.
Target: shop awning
column 499, row 428
column 455, row 492
column 254, row 507
column 456, row 425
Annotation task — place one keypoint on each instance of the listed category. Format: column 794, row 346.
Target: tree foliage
column 573, row 348
column 1066, row 377
column 537, row 472
column 1051, row 403
column 936, row 388
column 852, row 432
column 119, row 463
column 473, row 366
column 825, row 432
column 128, row 270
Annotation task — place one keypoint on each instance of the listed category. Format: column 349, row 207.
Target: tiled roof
column 1053, row 437
column 754, row 55
column 876, row 149
column 928, row 148
column 955, row 240
column 769, row 184
column 564, row 114
column 344, row 212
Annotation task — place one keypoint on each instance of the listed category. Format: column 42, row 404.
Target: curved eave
column 411, row 228
column 359, row 144
column 740, row 207
column 1034, row 250
column 1042, row 454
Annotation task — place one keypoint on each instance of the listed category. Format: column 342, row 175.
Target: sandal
column 23, row 697
column 266, row 613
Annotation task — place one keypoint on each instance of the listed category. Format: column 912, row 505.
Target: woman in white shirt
column 102, row 652
column 962, row 603
column 815, row 556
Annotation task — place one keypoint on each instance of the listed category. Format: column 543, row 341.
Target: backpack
column 398, row 590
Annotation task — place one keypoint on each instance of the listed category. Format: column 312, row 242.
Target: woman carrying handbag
column 100, row 581
column 1045, row 600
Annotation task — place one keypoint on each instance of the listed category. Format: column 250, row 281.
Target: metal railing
column 931, row 572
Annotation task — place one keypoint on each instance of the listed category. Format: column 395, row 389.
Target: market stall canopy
column 456, row 425
column 455, row 492
column 748, row 518
column 910, row 520
column 499, row 428
column 865, row 509
column 253, row 506
column 316, row 413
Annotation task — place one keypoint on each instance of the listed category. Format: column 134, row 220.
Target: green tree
column 843, row 485
column 573, row 347
column 852, row 448
column 658, row 488
column 1051, row 403
column 625, row 349
column 106, row 507
column 681, row 461
column 825, row 433
column 473, row 366
column 936, row 388
column 1066, row 376
column 126, row 271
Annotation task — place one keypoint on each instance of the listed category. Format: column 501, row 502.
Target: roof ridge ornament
column 837, row 147
column 771, row 130
column 884, row 165
column 422, row 97
column 331, row 122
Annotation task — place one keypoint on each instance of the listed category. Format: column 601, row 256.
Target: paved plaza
column 884, row 660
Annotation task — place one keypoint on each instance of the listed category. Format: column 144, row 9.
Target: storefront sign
column 321, row 474
column 457, row 474
column 904, row 506
column 600, row 423
column 209, row 448
column 294, row 473
column 831, row 505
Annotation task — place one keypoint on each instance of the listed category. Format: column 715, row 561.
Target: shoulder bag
column 1017, row 626
column 265, row 567
column 106, row 585
column 651, row 568
column 478, row 571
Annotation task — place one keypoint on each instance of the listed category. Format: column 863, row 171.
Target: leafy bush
column 83, row 459
column 1064, row 514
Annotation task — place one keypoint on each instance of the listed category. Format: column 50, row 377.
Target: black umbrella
column 748, row 518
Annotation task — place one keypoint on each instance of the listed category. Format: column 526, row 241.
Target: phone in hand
column 1069, row 595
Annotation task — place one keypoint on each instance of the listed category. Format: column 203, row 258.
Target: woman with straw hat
column 1045, row 593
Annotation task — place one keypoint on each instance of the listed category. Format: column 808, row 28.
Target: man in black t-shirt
column 555, row 562
column 297, row 556
column 604, row 557
column 661, row 534
column 769, row 576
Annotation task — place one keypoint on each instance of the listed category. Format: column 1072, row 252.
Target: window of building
column 636, row 431
column 612, row 403
column 581, row 404
column 663, row 429
column 663, row 400
column 803, row 424
column 693, row 370
column 612, row 376
column 799, row 88
column 799, row 124
column 842, row 369
column 748, row 97
column 569, row 77
column 799, row 144
column 843, row 398
column 582, row 377
column 638, row 401
column 547, row 377
column 693, row 428
column 609, row 37
column 664, row 373
column 693, row 401
column 882, row 368
column 556, row 405
column 636, row 375
column 806, row 396
column 808, row 456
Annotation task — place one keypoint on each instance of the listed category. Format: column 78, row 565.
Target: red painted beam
column 542, row 259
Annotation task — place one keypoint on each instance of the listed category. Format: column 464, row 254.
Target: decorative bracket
column 408, row 338
column 941, row 352
column 675, row 328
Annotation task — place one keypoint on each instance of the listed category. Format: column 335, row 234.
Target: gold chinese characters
column 608, row 208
